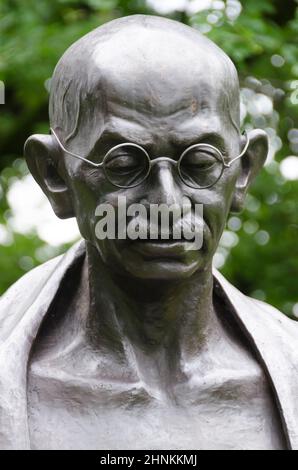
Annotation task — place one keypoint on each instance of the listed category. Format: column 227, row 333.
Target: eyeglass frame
column 152, row 162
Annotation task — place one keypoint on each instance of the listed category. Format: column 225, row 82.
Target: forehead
column 158, row 74
column 163, row 82
column 160, row 108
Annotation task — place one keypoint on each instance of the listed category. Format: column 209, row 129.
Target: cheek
column 84, row 206
column 216, row 205
column 88, row 192
column 85, row 192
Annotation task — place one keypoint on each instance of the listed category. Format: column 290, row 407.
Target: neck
column 174, row 320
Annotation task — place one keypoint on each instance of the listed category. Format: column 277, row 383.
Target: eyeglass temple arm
column 228, row 164
column 96, row 165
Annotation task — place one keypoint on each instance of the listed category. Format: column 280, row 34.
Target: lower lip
column 162, row 249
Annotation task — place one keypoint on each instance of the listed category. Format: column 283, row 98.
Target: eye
column 125, row 160
column 200, row 159
column 126, row 166
column 122, row 162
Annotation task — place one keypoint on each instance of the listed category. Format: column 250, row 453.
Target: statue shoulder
column 277, row 317
column 256, row 313
column 36, row 288
column 22, row 294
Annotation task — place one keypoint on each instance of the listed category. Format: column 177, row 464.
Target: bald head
column 153, row 65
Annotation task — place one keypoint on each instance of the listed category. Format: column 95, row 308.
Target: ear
column 44, row 160
column 251, row 163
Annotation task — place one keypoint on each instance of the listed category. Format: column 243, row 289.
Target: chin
column 162, row 270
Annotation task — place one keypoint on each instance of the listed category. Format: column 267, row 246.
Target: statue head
column 164, row 88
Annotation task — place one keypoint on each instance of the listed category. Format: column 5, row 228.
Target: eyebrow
column 145, row 140
column 121, row 137
column 212, row 138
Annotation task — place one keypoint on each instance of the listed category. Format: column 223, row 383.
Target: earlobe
column 42, row 155
column 251, row 163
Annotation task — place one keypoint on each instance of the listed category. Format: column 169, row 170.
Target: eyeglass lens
column 201, row 166
column 126, row 166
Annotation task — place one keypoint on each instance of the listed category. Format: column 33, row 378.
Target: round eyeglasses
column 127, row 165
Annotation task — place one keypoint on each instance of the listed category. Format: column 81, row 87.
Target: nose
column 164, row 184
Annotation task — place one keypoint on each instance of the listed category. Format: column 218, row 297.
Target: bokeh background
column 259, row 249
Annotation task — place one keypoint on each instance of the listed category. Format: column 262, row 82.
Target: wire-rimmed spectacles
column 127, row 165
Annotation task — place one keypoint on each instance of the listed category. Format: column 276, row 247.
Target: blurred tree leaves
column 260, row 37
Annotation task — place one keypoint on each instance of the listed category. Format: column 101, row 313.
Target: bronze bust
column 141, row 344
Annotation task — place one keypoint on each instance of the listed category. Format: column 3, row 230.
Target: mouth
column 162, row 248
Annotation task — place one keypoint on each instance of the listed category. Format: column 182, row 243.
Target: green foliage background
column 34, row 34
